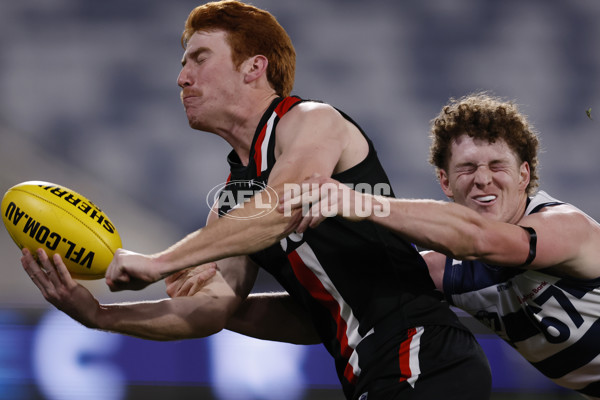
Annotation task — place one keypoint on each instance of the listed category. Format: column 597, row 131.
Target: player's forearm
column 427, row 223
column 168, row 319
column 455, row 230
column 240, row 233
column 273, row 316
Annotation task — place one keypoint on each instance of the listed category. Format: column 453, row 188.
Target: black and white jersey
column 553, row 321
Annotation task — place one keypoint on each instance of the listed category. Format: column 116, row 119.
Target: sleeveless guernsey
column 362, row 285
column 553, row 321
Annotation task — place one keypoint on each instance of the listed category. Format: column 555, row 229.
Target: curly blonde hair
column 485, row 117
column 250, row 31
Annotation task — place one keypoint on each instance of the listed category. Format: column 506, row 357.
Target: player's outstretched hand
column 58, row 287
column 131, row 271
column 190, row 281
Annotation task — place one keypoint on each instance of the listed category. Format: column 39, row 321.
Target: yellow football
column 45, row 215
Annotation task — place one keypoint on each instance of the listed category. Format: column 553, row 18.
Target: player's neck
column 240, row 134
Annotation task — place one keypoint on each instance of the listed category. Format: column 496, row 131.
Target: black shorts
column 432, row 363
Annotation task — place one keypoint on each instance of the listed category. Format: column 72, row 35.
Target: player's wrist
column 163, row 265
column 96, row 318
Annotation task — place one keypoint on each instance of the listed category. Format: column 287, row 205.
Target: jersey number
column 555, row 330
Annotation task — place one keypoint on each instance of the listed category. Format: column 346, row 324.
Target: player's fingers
column 180, row 289
column 196, row 287
column 320, row 211
column 311, row 193
column 315, row 180
column 299, row 196
column 174, row 277
column 33, row 267
column 205, row 276
column 173, row 289
column 172, row 280
column 117, row 283
column 116, row 278
column 108, row 276
column 293, row 223
column 289, row 202
column 205, row 271
column 175, row 281
column 185, row 288
column 52, row 284
column 35, row 272
column 49, row 268
column 61, row 269
column 306, row 220
column 196, row 279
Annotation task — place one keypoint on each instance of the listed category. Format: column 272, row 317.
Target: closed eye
column 198, row 56
column 465, row 168
column 499, row 166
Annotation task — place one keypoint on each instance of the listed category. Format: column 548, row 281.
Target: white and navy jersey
column 362, row 284
column 554, row 322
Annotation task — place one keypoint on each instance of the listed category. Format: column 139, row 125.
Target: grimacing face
column 209, row 80
column 486, row 177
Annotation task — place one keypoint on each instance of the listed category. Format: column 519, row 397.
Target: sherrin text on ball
column 44, row 215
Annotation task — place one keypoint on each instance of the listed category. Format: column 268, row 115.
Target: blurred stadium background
column 88, row 99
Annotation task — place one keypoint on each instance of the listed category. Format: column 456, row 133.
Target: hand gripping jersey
column 362, row 285
column 554, row 322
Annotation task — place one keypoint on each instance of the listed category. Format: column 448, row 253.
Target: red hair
column 250, row 31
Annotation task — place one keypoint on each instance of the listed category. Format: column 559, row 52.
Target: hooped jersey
column 362, row 285
column 553, row 321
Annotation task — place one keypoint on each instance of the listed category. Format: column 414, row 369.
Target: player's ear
column 445, row 183
column 524, row 175
column 255, row 67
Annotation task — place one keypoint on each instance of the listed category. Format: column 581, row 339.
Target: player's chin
column 197, row 124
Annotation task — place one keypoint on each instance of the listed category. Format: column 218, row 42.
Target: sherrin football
column 45, row 215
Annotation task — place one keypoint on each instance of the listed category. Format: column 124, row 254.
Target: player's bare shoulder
column 311, row 113
column 324, row 126
column 567, row 240
column 563, row 214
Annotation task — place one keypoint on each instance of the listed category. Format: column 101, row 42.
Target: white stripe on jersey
column 354, row 338
column 415, row 346
column 264, row 146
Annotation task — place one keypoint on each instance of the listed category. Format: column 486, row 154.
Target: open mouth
column 485, row 199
